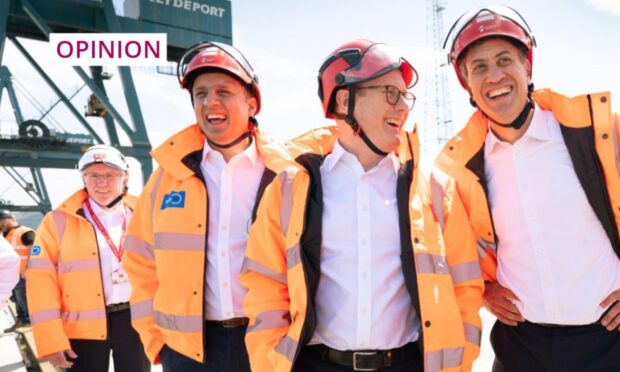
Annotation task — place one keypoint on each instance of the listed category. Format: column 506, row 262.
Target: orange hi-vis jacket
column 166, row 248
column 63, row 281
column 282, row 263
column 14, row 236
column 592, row 136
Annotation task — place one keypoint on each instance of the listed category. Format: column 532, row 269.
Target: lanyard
column 118, row 252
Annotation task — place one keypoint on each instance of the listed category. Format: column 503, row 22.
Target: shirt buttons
column 223, row 253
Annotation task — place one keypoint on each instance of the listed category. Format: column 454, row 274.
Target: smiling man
column 78, row 293
column 354, row 261
column 538, row 174
column 186, row 247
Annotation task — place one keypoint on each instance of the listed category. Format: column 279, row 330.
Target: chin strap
column 350, row 119
column 252, row 124
column 521, row 118
column 115, row 201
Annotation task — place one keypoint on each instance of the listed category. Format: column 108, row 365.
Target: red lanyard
column 118, row 252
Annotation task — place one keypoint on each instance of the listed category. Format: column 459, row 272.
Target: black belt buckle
column 117, row 307
column 361, row 363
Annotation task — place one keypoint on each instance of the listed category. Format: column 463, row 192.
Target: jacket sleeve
column 139, row 263
column 465, row 270
column 264, row 274
column 9, row 271
column 43, row 291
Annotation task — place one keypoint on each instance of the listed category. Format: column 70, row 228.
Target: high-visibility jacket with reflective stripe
column 14, row 236
column 166, row 247
column 592, row 135
column 282, row 264
column 63, row 281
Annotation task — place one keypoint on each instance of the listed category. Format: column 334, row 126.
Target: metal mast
column 437, row 108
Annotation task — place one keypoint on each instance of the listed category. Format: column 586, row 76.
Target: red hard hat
column 356, row 62
column 214, row 55
column 483, row 22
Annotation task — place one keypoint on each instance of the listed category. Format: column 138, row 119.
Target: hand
column 499, row 301
column 60, row 360
column 611, row 320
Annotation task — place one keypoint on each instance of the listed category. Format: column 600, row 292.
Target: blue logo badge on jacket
column 35, row 251
column 176, row 199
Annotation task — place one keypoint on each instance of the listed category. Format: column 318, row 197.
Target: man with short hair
column 78, row 292
column 538, row 174
column 186, row 247
column 21, row 238
column 355, row 262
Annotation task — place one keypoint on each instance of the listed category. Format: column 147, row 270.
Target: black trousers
column 124, row 342
column 531, row 347
column 310, row 362
column 224, row 350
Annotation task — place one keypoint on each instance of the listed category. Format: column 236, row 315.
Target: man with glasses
column 186, row 247
column 538, row 173
column 77, row 290
column 354, row 263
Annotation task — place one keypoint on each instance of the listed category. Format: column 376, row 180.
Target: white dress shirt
column 231, row 189
column 112, row 220
column 9, row 271
column 553, row 252
column 361, row 301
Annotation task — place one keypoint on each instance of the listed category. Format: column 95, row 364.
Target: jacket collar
column 170, row 154
column 73, row 204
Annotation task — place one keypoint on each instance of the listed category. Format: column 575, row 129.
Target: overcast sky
column 286, row 41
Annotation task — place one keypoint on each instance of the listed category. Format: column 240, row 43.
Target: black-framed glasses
column 393, row 94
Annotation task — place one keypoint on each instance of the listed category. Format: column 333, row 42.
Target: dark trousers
column 224, row 350
column 310, row 362
column 531, row 347
column 19, row 297
column 124, row 342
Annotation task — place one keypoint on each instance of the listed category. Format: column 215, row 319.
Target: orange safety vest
column 166, row 247
column 14, row 236
column 282, row 263
column 64, row 286
column 592, row 136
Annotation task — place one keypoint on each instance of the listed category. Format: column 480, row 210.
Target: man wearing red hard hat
column 186, row 247
column 538, row 174
column 355, row 261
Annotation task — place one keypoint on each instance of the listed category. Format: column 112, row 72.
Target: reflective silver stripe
column 78, row 265
column 270, row 320
column 70, row 316
column 142, row 309
column 444, row 358
column 179, row 241
column 286, row 187
column 483, row 245
column 287, row 347
column 181, row 323
column 437, row 201
column 60, row 218
column 473, row 334
column 293, row 256
column 427, row 263
column 251, row 265
column 465, row 272
column 41, row 264
column 44, row 316
column 139, row 247
column 614, row 134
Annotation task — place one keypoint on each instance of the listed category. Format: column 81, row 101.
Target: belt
column 230, row 323
column 366, row 360
column 549, row 325
column 117, row 307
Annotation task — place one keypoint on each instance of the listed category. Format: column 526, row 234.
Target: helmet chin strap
column 253, row 123
column 350, row 119
column 520, row 119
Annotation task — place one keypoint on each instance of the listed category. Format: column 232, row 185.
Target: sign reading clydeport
column 210, row 16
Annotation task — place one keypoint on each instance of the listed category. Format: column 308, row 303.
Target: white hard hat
column 103, row 154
